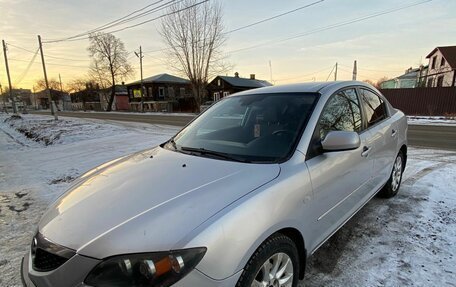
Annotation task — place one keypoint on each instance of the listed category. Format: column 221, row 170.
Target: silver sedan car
column 242, row 196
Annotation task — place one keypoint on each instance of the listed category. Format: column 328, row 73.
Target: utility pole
column 335, row 73
column 270, row 70
column 4, row 98
column 61, row 89
column 60, row 80
column 51, row 102
column 140, row 56
column 355, row 71
column 13, row 101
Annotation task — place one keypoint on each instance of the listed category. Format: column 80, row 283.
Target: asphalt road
column 439, row 137
column 128, row 117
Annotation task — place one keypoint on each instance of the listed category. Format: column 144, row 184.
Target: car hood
column 147, row 202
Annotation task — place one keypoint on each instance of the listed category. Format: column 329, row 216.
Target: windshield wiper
column 203, row 151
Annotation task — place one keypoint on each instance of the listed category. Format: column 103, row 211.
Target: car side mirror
column 340, row 141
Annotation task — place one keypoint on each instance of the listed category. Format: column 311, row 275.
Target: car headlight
column 160, row 269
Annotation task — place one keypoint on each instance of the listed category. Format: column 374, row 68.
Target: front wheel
column 394, row 182
column 274, row 264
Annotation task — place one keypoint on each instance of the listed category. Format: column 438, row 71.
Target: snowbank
column 433, row 121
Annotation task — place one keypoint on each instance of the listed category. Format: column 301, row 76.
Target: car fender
column 233, row 235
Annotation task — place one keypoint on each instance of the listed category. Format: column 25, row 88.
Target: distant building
column 223, row 86
column 96, row 99
column 412, row 78
column 40, row 100
column 86, row 99
column 121, row 100
column 162, row 92
column 442, row 67
column 23, row 95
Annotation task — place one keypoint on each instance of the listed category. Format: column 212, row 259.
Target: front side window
column 261, row 128
column 374, row 107
column 341, row 113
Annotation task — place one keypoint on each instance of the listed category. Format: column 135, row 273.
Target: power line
column 364, row 69
column 274, row 17
column 126, row 16
column 155, row 51
column 131, row 26
column 54, row 57
column 145, row 13
column 52, row 64
column 330, row 73
column 305, row 75
column 119, row 22
column 20, row 48
column 258, row 22
column 103, row 26
column 27, row 69
column 332, row 26
column 67, row 59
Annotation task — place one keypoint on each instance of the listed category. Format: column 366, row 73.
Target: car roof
column 313, row 87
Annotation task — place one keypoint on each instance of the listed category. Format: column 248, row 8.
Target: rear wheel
column 394, row 182
column 274, row 264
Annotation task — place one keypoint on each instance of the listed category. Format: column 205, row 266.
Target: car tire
column 277, row 257
column 394, row 182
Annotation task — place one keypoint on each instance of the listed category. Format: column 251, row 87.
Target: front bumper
column 65, row 276
column 24, row 274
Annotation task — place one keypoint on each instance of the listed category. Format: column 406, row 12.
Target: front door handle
column 393, row 133
column 366, row 150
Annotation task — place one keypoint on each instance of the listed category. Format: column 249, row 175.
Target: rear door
column 383, row 129
column 340, row 180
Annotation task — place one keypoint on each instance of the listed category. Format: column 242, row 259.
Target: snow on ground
column 435, row 121
column 32, row 174
column 409, row 240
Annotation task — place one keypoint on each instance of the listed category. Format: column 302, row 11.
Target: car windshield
column 259, row 128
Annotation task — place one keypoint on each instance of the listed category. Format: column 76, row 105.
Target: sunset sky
column 384, row 45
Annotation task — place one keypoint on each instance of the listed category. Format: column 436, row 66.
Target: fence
column 423, row 101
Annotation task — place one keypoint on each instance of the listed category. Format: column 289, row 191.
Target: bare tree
column 86, row 89
column 77, row 85
column 194, row 38
column 41, row 85
column 380, row 81
column 109, row 62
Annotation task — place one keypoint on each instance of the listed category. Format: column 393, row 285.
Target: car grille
column 47, row 255
column 45, row 261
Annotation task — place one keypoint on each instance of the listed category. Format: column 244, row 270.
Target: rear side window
column 374, row 107
column 341, row 113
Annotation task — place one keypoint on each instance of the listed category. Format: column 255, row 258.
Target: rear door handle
column 393, row 133
column 366, row 150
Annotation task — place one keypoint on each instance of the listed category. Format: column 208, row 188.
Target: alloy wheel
column 397, row 173
column 277, row 271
